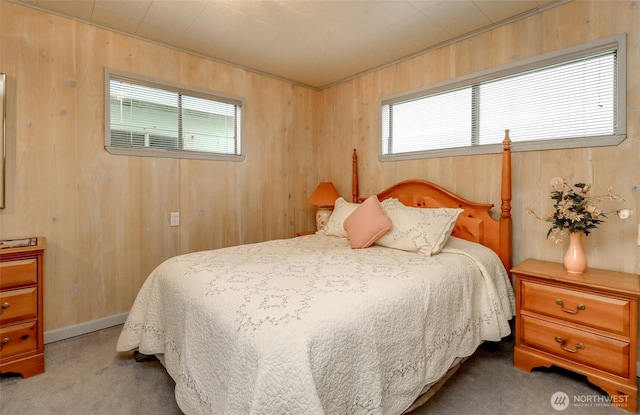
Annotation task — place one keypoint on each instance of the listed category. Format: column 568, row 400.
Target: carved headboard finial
column 506, row 143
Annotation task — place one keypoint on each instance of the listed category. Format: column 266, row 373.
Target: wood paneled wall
column 106, row 217
column 349, row 118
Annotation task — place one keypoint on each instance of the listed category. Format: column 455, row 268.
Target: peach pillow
column 367, row 223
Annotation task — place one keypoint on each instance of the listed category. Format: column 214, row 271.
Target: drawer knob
column 565, row 348
column 5, row 305
column 5, row 340
column 581, row 307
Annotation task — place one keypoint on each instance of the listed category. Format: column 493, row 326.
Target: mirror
column 2, row 137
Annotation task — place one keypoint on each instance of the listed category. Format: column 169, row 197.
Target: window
column 151, row 118
column 571, row 98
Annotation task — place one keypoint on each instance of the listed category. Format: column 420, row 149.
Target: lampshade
column 324, row 195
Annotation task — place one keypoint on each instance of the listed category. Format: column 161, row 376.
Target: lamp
column 324, row 197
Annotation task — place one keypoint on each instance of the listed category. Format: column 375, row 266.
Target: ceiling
column 316, row 43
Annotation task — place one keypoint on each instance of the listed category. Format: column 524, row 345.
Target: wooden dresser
column 21, row 313
column 586, row 323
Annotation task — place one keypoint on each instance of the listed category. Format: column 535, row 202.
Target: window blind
column 571, row 98
column 166, row 121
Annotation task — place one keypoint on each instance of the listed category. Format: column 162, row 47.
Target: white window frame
column 110, row 74
column 617, row 42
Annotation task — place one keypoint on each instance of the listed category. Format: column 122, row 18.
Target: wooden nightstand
column 586, row 323
column 21, row 314
column 305, row 233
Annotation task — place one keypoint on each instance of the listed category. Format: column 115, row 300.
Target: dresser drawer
column 18, row 304
column 598, row 311
column 590, row 349
column 18, row 273
column 19, row 338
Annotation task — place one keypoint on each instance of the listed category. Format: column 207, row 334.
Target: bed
column 310, row 325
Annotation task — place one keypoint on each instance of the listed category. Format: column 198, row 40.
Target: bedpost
column 505, row 214
column 354, row 178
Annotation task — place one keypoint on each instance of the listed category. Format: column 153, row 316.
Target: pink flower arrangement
column 575, row 210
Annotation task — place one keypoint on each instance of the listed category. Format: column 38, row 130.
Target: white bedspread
column 309, row 326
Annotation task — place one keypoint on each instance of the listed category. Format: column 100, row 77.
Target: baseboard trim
column 84, row 328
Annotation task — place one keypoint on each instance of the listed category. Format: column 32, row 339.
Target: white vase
column 575, row 260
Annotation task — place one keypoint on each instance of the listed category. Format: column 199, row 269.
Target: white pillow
column 335, row 225
column 423, row 230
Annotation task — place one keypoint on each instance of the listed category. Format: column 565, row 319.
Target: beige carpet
column 85, row 376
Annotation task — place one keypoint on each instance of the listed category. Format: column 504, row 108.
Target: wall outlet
column 175, row 218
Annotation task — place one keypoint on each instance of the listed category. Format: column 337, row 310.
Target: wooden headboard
column 475, row 222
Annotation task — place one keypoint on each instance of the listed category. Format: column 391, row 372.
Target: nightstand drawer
column 586, row 348
column 598, row 311
column 21, row 338
column 18, row 273
column 18, row 304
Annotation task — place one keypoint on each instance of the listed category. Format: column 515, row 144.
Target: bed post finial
column 506, row 143
column 355, row 192
column 505, row 208
column 506, row 176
